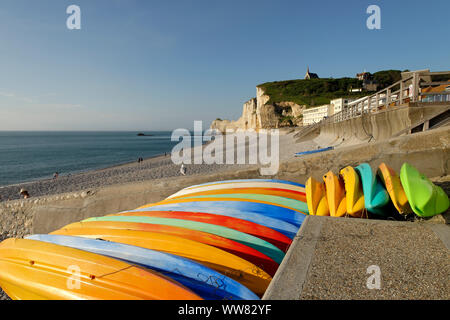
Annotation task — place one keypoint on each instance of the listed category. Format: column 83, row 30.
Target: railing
column 404, row 91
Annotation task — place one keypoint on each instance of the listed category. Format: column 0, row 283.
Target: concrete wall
column 377, row 127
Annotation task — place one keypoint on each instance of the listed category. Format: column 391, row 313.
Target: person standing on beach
column 183, row 169
column 55, row 175
column 24, row 193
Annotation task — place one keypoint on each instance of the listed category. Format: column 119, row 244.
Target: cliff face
column 258, row 114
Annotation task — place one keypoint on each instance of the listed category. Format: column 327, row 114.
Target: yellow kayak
column 226, row 263
column 353, row 191
column 335, row 194
column 316, row 198
column 395, row 189
column 36, row 270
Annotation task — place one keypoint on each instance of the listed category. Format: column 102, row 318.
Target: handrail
column 386, row 98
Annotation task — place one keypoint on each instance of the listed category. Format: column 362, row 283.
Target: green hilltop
column 314, row 92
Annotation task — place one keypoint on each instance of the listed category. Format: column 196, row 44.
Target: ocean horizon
column 27, row 156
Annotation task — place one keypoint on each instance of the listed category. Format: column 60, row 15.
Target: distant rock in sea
column 140, row 134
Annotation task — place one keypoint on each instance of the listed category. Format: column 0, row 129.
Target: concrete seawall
column 374, row 127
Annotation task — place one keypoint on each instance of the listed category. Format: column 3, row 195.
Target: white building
column 316, row 114
column 340, row 104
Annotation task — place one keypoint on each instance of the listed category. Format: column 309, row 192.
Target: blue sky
column 160, row 65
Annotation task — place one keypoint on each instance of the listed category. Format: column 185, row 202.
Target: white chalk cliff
column 258, row 114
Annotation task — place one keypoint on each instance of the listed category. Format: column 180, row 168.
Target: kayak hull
column 188, row 273
column 274, row 237
column 316, row 198
column 394, row 188
column 426, row 199
column 353, row 191
column 375, row 196
column 37, row 270
column 335, row 194
column 223, row 262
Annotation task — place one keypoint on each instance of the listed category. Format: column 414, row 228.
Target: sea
column 29, row 156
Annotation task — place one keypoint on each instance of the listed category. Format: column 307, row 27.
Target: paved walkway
column 329, row 259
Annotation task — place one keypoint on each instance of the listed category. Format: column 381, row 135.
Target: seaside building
column 368, row 82
column 310, row 75
column 317, row 114
column 340, row 104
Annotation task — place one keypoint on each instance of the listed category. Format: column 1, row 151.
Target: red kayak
column 276, row 238
column 245, row 252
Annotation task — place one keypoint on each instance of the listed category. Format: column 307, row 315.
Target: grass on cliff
column 315, row 92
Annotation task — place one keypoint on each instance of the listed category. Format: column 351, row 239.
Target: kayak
column 223, row 262
column 426, row 198
column 195, row 276
column 296, row 205
column 335, row 190
column 288, row 215
column 287, row 229
column 262, row 246
column 239, row 185
column 243, row 251
column 394, row 188
column 375, row 196
column 267, row 191
column 316, row 197
column 313, row 151
column 353, row 191
column 249, row 180
column 274, row 237
column 35, row 270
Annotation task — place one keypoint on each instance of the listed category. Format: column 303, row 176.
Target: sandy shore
column 152, row 168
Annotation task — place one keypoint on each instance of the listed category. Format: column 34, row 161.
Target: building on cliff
column 310, row 75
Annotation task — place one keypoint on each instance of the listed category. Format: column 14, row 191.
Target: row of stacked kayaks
column 220, row 240
column 359, row 192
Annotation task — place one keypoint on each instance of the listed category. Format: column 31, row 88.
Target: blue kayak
column 251, row 180
column 288, row 229
column 288, row 215
column 207, row 283
column 375, row 195
column 313, row 151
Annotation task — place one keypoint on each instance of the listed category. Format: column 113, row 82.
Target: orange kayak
column 335, row 188
column 274, row 237
column 233, row 247
column 226, row 263
column 35, row 270
column 394, row 187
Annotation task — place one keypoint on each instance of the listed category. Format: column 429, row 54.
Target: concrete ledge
column 330, row 259
column 288, row 282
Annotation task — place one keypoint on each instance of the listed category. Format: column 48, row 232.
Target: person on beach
column 183, row 169
column 55, row 175
column 24, row 193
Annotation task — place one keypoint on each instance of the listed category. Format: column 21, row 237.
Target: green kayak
column 426, row 199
